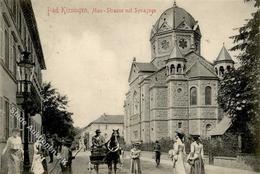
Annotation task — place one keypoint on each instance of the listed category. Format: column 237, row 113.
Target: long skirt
column 179, row 167
column 37, row 167
column 197, row 167
column 135, row 166
column 14, row 161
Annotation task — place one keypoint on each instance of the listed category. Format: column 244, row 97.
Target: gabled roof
column 221, row 127
column 141, row 67
column 109, row 119
column 224, row 55
column 176, row 53
column 200, row 70
column 145, row 67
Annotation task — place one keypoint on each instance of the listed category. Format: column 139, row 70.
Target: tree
column 56, row 118
column 240, row 88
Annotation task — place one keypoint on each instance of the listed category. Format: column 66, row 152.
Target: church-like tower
column 177, row 89
column 175, row 26
column 223, row 63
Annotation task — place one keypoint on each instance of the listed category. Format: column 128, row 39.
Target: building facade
column 177, row 89
column 18, row 33
column 106, row 124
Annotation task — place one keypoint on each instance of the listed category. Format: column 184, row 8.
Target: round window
column 179, row 90
column 208, row 127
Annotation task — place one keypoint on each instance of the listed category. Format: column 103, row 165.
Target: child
column 135, row 154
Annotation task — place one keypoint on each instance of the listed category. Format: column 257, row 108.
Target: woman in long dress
column 196, row 155
column 37, row 167
column 135, row 154
column 14, row 152
column 178, row 153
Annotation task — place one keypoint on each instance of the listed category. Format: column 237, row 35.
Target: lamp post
column 26, row 64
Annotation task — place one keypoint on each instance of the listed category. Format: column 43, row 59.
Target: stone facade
column 178, row 88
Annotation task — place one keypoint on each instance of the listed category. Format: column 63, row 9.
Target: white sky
column 88, row 56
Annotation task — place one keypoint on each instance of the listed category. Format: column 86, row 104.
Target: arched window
column 208, row 95
column 228, row 68
column 136, row 102
column 178, row 68
column 216, row 70
column 193, row 96
column 172, row 69
column 221, row 70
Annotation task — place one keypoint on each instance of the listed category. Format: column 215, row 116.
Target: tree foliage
column 56, row 118
column 239, row 89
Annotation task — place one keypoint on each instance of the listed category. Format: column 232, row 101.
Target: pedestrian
column 66, row 155
column 157, row 151
column 44, row 153
column 195, row 158
column 50, row 142
column 85, row 143
column 37, row 167
column 178, row 153
column 14, row 152
column 135, row 155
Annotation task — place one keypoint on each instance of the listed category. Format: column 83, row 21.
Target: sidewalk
column 147, row 156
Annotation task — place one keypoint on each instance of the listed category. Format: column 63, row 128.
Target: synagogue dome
column 173, row 18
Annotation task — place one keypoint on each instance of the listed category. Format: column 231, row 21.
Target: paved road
column 80, row 166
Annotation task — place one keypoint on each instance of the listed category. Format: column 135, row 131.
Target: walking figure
column 66, row 154
column 157, row 151
column 135, row 154
column 195, row 158
column 14, row 152
column 37, row 166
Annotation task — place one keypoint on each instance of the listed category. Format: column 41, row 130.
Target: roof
column 176, row 53
column 200, row 70
column 32, row 26
column 109, row 119
column 221, row 127
column 172, row 18
column 145, row 66
column 224, row 55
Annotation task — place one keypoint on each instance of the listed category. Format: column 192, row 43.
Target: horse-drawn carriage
column 98, row 156
column 107, row 154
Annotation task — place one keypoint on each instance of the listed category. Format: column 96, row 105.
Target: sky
column 88, row 55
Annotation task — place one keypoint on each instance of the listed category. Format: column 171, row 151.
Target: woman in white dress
column 178, row 153
column 14, row 150
column 37, row 167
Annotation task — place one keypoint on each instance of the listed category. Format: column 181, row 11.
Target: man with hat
column 98, row 140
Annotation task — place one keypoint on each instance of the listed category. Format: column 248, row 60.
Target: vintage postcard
column 129, row 86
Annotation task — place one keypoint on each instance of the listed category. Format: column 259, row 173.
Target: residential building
column 106, row 124
column 18, row 33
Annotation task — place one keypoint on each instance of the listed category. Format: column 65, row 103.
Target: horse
column 113, row 154
column 108, row 154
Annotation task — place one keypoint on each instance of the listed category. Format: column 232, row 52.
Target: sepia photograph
column 129, row 86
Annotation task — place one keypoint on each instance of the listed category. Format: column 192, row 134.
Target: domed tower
column 175, row 27
column 223, row 63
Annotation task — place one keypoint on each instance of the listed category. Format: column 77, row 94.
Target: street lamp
column 26, row 64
